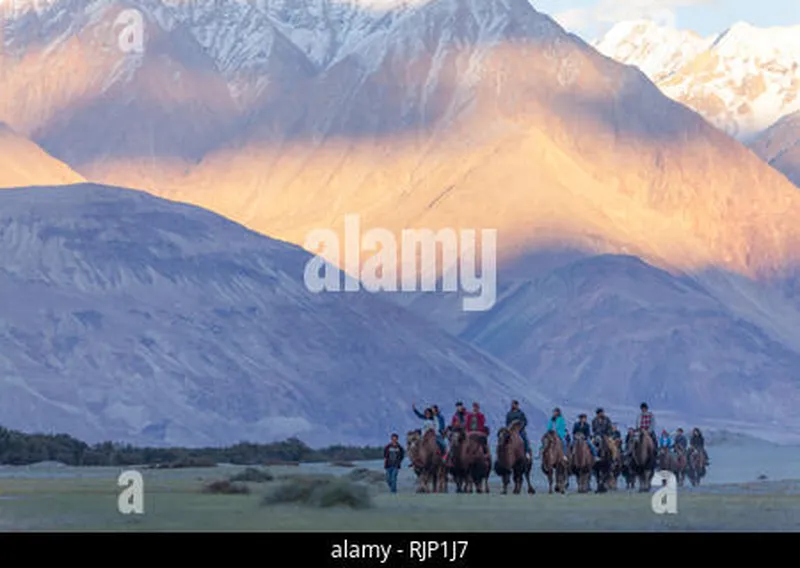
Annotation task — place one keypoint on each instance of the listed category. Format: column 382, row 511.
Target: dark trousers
column 391, row 478
column 524, row 437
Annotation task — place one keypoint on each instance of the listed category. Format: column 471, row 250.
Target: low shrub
column 252, row 475
column 226, row 487
column 320, row 491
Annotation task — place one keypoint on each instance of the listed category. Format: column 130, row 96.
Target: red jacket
column 457, row 422
column 476, row 422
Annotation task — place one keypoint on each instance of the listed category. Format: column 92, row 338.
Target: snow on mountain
column 24, row 163
column 779, row 145
column 138, row 319
column 741, row 80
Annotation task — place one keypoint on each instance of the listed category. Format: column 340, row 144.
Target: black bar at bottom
column 346, row 550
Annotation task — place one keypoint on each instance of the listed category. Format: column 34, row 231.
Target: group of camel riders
column 601, row 426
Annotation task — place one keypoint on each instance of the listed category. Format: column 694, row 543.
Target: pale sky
column 591, row 18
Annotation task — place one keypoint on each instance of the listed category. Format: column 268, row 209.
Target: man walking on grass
column 393, row 455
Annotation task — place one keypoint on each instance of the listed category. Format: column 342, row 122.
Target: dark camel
column 477, row 465
column 511, row 459
column 604, row 466
column 581, row 462
column 554, row 462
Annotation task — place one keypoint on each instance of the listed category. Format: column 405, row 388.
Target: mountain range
column 643, row 252
column 745, row 80
column 139, row 319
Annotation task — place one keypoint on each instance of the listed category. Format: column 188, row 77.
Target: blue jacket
column 559, row 425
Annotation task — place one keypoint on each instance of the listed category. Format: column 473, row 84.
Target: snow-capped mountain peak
column 742, row 80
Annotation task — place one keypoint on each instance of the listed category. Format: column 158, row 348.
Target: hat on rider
column 459, row 403
column 557, row 409
column 644, row 406
column 581, row 416
column 598, row 411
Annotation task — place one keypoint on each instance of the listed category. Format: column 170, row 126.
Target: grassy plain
column 69, row 499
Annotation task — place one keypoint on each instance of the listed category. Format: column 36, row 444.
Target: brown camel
column 477, row 464
column 696, row 466
column 455, row 457
column 615, row 447
column 512, row 460
column 581, row 462
column 644, row 458
column 680, row 465
column 554, row 462
column 426, row 459
column 666, row 460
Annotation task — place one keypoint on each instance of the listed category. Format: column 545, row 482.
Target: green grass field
column 86, row 499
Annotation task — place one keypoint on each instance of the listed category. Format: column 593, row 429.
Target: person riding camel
column 476, row 422
column 429, row 422
column 647, row 421
column 698, row 442
column 558, row 425
column 665, row 440
column 437, row 416
column 680, row 440
column 629, row 440
column 459, row 419
column 601, row 426
column 516, row 415
column 615, row 433
column 582, row 427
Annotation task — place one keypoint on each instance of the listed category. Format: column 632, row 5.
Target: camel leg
column 531, row 490
column 549, row 481
column 504, row 491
